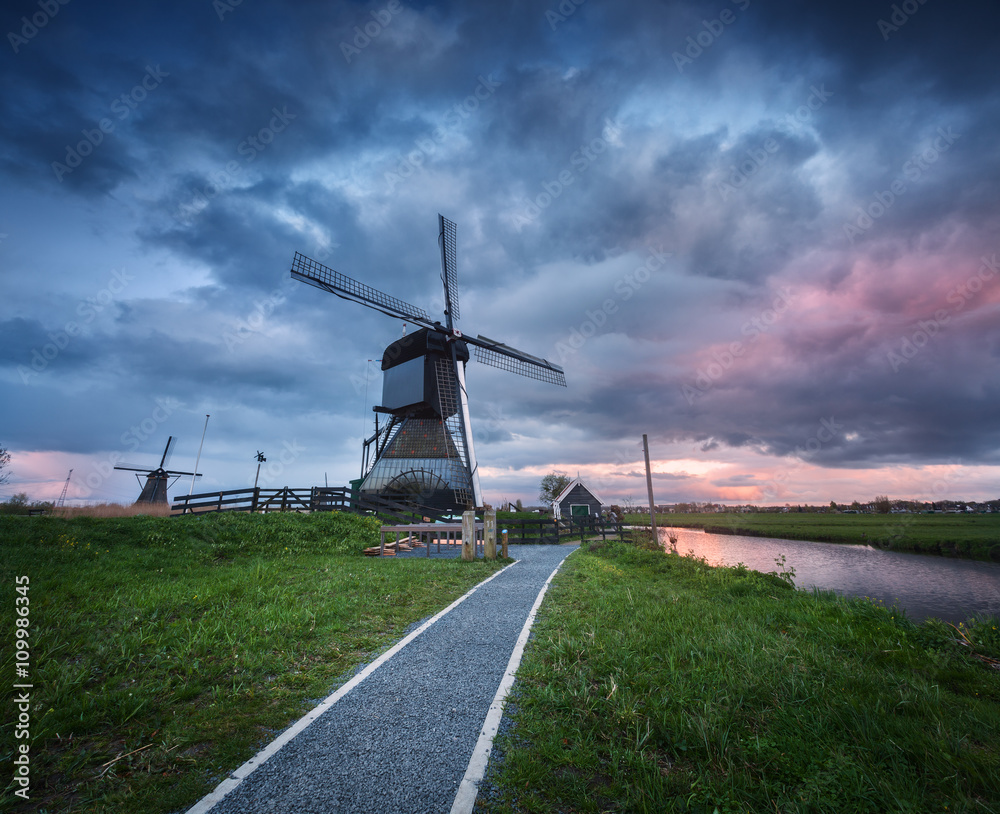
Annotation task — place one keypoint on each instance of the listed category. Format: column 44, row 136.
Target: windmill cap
column 420, row 343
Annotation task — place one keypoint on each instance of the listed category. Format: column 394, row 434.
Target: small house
column 576, row 500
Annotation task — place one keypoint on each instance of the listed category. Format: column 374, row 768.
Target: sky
column 763, row 233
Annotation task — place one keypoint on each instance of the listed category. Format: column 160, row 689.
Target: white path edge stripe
column 469, row 787
column 208, row 802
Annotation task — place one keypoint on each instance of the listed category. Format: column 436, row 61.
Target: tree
column 882, row 504
column 15, row 504
column 4, row 462
column 552, row 485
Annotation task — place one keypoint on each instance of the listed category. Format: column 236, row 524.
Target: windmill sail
column 320, row 276
column 449, row 267
column 505, row 357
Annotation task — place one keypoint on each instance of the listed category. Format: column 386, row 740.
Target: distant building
column 576, row 500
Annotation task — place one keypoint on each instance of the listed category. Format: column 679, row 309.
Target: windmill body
column 422, row 451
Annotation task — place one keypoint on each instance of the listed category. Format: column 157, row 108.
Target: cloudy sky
column 764, row 233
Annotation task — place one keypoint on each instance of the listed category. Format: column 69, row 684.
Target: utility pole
column 649, row 489
column 198, row 459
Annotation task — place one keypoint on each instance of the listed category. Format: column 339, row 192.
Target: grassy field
column 655, row 683
column 964, row 535
column 166, row 651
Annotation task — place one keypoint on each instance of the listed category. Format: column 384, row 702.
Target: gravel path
column 401, row 739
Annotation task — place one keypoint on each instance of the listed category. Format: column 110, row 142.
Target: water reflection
column 924, row 585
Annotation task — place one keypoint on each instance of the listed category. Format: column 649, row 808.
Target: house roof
column 573, row 484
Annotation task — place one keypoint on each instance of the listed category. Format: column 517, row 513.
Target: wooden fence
column 542, row 530
column 521, row 530
column 314, row 499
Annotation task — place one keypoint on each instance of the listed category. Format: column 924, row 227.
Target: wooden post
column 649, row 488
column 468, row 535
column 490, row 535
column 503, row 544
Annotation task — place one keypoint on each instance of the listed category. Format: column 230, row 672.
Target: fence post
column 468, row 535
column 256, row 497
column 490, row 535
column 503, row 544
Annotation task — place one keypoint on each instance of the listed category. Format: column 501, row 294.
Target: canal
column 924, row 585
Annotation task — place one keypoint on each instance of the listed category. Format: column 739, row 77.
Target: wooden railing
column 314, row 499
column 543, row 530
column 520, row 530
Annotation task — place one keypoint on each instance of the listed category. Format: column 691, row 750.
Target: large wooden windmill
column 157, row 479
column 423, row 452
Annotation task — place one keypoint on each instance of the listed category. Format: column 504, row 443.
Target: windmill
column 423, row 452
column 157, row 480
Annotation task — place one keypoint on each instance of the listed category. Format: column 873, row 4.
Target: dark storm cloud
column 278, row 128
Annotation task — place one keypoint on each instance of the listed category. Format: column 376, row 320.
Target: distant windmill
column 157, row 480
column 424, row 453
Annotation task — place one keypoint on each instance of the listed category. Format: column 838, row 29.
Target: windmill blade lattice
column 450, row 408
column 449, row 266
column 320, row 276
column 501, row 356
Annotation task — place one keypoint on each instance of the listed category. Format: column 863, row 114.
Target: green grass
column 655, row 683
column 964, row 535
column 192, row 639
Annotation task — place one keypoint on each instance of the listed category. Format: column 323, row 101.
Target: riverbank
column 975, row 536
column 656, row 683
column 164, row 652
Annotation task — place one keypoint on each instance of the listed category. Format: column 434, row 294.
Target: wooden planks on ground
column 391, row 548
